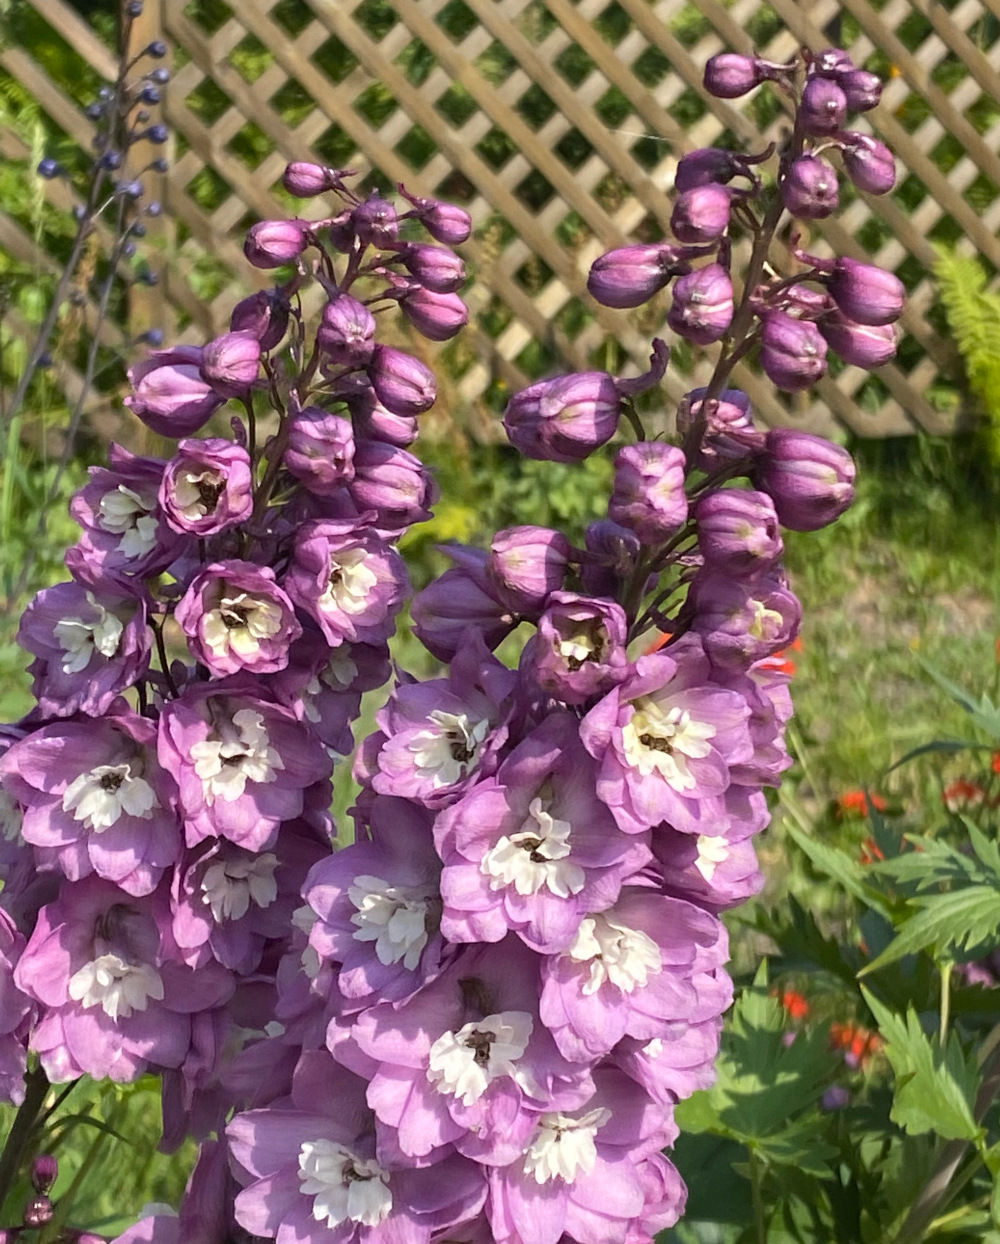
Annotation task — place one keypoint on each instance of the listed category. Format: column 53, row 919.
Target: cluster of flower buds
column 792, row 318
column 474, row 1022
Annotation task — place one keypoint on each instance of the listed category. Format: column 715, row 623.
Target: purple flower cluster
column 472, row 1024
column 791, row 319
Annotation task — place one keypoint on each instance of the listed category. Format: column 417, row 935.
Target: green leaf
column 935, row 1089
column 982, row 711
column 840, row 866
column 949, row 746
column 958, row 920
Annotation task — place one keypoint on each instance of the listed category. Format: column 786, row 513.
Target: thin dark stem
column 36, row 1085
column 161, row 649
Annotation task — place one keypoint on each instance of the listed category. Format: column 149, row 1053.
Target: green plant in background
column 857, row 1091
column 973, row 312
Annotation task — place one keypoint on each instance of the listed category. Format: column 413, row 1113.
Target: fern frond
column 973, row 313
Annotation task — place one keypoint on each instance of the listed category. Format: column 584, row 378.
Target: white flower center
column 447, row 753
column 100, row 796
column 712, row 851
column 393, row 917
column 226, row 765
column 124, row 512
column 535, row 857
column 229, row 886
column 563, row 1146
column 239, row 622
column 119, row 988
column 79, row 640
column 766, row 622
column 350, row 582
column 197, row 495
column 344, row 1187
column 582, row 646
column 664, row 741
column 464, row 1063
column 614, row 952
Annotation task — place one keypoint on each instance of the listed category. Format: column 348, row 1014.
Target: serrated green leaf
column 965, row 919
column 803, row 944
column 800, row 1144
column 982, row 711
column 935, row 1089
column 840, row 866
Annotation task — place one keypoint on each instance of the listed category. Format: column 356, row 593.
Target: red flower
column 959, row 794
column 795, row 1003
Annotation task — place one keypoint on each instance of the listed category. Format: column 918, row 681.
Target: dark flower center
column 480, row 1042
column 656, row 743
column 209, row 494
column 111, row 781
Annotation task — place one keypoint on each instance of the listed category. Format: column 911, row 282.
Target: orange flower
column 995, row 762
column 858, row 803
column 870, row 852
column 780, row 662
column 658, row 643
column 859, row 1044
column 795, row 1003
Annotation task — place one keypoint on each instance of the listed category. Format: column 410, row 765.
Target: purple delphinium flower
column 236, row 618
column 632, row 970
column 228, row 901
column 207, row 487
column 439, row 736
column 665, row 740
column 96, row 800
column 533, row 848
column 320, row 451
column 740, row 623
column 378, row 905
column 90, row 641
column 579, row 649
column 314, row 1172
column 348, row 579
column 392, row 482
column 117, row 996
column 525, row 564
column 715, row 871
column 578, row 1177
column 241, row 764
column 465, row 1062
column 648, row 496
column 124, row 529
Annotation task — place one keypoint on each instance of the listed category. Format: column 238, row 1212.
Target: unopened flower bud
column 170, row 394
column 809, row 190
column 613, row 552
column 526, row 564
column 728, row 434
column 393, row 483
column 304, row 180
column 438, row 317
column 38, row 1211
column 868, row 163
column 265, row 314
column 460, row 602
column 823, row 108
column 831, row 63
column 865, row 293
column 631, row 275
column 443, row 221
column 738, row 531
column 701, row 214
column 564, row 419
column 436, row 267
column 702, row 309
column 231, row 363
column 401, row 382
column 792, row 352
column 320, row 450
column 704, row 167
column 860, row 345
column 649, row 496
column 44, row 1172
column 346, row 333
column 373, row 422
column 273, row 243
column 375, row 221
column 579, row 650
column 729, row 75
column 862, row 89
column 809, row 479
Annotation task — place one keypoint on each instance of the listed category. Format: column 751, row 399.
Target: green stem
column 945, row 972
column 35, row 1089
column 757, row 1194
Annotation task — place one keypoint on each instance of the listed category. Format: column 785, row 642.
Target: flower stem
column 757, row 1194
column 36, row 1087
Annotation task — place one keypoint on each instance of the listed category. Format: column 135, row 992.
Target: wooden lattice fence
column 558, row 125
